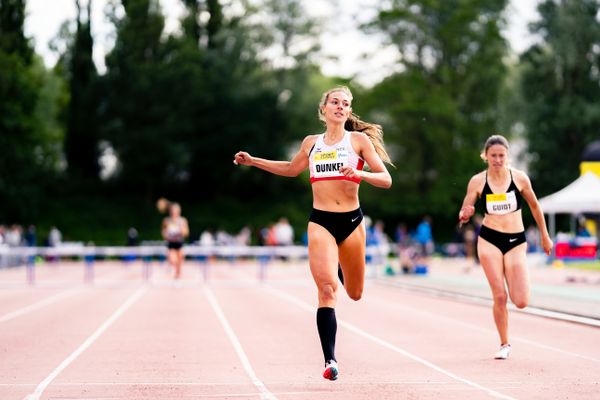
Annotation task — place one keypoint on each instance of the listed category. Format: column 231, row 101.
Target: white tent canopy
column 581, row 196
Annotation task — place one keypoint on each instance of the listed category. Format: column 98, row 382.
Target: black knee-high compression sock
column 340, row 274
column 327, row 326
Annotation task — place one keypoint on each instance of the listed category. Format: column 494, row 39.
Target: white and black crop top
column 501, row 203
column 325, row 160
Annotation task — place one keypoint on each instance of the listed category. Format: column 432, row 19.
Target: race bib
column 501, row 203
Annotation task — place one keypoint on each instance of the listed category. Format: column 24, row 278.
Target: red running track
column 234, row 337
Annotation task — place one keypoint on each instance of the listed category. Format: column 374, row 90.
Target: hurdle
column 146, row 253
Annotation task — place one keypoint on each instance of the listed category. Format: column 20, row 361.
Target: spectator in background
column 2, row 235
column 244, row 236
column 405, row 248
column 533, row 239
column 424, row 237
column 370, row 239
column 379, row 232
column 54, row 237
column 223, row 238
column 382, row 243
column 132, row 237
column 582, row 231
column 401, row 235
column 30, row 236
column 268, row 235
column 14, row 236
column 283, row 232
column 207, row 238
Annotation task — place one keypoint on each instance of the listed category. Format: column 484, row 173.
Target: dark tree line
column 173, row 108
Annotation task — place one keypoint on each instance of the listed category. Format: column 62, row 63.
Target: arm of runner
column 379, row 175
column 284, row 168
column 536, row 210
column 185, row 228
column 467, row 209
column 163, row 229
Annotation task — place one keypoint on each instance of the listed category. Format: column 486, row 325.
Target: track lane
column 134, row 358
column 294, row 354
column 34, row 344
column 565, row 353
column 169, row 345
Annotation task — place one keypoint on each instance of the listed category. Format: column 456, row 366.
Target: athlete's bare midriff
column 335, row 195
column 508, row 223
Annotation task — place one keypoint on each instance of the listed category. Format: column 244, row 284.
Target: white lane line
column 32, row 307
column 390, row 346
column 480, row 329
column 85, row 345
column 265, row 394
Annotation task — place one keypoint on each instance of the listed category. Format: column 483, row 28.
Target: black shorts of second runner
column 339, row 224
column 174, row 245
column 502, row 240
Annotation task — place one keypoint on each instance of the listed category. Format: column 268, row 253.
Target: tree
column 81, row 142
column 439, row 108
column 12, row 37
column 136, row 114
column 234, row 102
column 561, row 85
column 19, row 165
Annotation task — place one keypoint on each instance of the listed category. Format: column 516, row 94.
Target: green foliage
column 561, row 88
column 53, row 99
column 12, row 37
column 137, row 110
column 81, row 141
column 21, row 163
column 439, row 109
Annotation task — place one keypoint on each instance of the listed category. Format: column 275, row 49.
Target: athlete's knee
column 500, row 299
column 521, row 302
column 354, row 293
column 327, row 292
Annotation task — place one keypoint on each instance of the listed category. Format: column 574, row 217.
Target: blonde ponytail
column 373, row 131
column 355, row 124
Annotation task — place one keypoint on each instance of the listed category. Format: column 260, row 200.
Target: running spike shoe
column 503, row 353
column 331, row 370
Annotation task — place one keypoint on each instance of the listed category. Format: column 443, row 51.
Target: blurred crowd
column 15, row 235
column 280, row 233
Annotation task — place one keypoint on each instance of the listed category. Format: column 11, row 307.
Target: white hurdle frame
column 89, row 254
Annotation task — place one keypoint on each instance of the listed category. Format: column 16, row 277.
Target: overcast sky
column 45, row 17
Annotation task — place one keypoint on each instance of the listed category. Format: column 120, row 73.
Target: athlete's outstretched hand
column 465, row 214
column 242, row 158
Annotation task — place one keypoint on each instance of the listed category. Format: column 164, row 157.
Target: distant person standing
column 502, row 245
column 424, row 236
column 132, row 237
column 284, row 233
column 54, row 237
column 175, row 230
column 30, row 236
